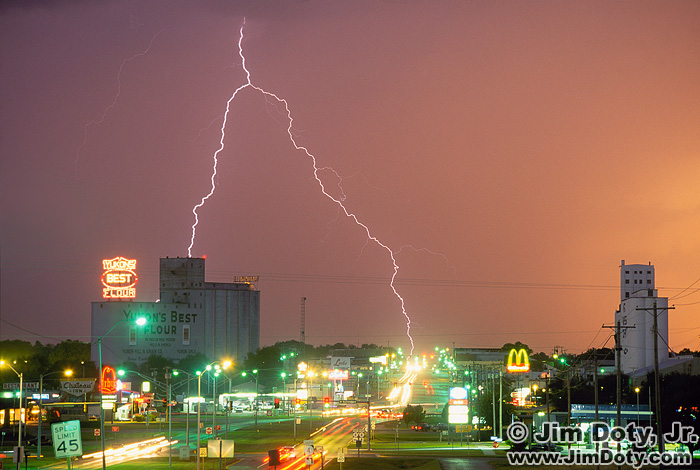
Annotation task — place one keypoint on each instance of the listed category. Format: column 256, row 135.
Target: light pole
column 139, row 321
column 176, row 372
column 226, row 364
column 67, row 373
column 255, row 403
column 19, row 421
column 284, row 391
column 636, row 391
column 213, row 425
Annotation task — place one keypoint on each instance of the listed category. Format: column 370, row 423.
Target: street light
column 139, row 321
column 226, row 364
column 636, row 390
column 284, row 391
column 21, row 384
column 67, row 373
column 255, row 403
column 176, row 372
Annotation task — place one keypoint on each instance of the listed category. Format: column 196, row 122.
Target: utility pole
column 500, row 401
column 618, row 349
column 657, row 382
column 595, row 393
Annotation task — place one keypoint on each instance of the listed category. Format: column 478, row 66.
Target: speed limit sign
column 66, row 439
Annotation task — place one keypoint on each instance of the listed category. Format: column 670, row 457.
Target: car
column 421, row 427
column 45, row 440
column 287, row 453
column 545, row 447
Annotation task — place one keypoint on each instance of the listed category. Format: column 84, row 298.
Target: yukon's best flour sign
column 119, row 278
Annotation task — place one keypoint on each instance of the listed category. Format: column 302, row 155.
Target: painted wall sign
column 119, row 278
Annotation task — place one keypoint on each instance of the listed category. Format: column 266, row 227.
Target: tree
column 517, row 346
column 413, row 414
column 680, row 402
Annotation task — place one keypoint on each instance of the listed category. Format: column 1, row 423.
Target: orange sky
column 522, row 149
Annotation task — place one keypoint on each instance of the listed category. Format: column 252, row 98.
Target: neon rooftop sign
column 119, row 278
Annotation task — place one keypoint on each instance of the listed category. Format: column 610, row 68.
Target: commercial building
column 639, row 305
column 219, row 320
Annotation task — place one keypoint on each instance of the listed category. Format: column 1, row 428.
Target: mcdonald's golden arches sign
column 518, row 361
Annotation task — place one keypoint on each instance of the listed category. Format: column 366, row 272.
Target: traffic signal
column 165, row 402
column 277, row 402
column 297, row 401
column 326, row 402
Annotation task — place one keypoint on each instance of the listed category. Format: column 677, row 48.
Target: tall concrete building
column 219, row 320
column 639, row 302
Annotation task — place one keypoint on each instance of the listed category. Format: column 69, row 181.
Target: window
column 648, row 281
column 627, row 295
column 186, row 335
column 132, row 336
column 627, row 281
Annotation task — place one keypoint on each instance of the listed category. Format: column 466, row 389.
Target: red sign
column 109, row 380
column 115, row 428
column 97, row 432
column 218, row 427
column 209, row 431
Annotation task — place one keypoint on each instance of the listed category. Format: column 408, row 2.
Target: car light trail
column 140, row 449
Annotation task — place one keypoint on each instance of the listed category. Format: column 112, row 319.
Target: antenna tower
column 302, row 328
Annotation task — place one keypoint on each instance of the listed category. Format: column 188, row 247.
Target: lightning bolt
column 114, row 100
column 338, row 201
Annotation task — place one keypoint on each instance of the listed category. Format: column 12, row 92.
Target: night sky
column 511, row 154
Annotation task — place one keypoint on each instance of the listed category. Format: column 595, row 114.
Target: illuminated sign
column 518, row 361
column 246, row 279
column 109, row 380
column 457, row 414
column 378, row 359
column 339, row 375
column 119, row 279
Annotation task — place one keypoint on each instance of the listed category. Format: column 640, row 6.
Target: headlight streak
column 137, row 449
